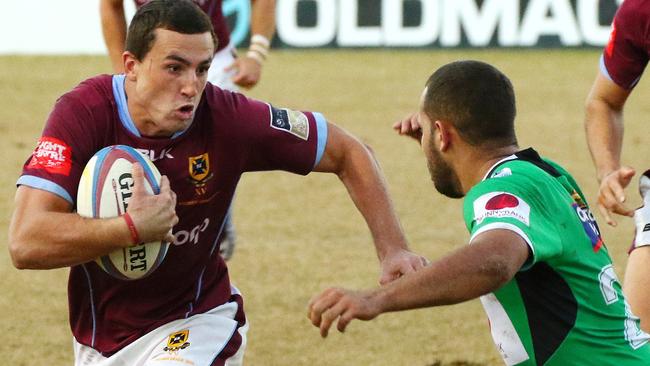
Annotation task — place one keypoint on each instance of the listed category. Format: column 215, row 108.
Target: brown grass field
column 299, row 235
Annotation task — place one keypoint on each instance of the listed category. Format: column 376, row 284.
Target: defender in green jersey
column 535, row 259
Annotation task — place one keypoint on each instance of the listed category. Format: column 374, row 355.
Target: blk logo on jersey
column 501, row 205
column 157, row 155
column 505, row 172
column 294, row 122
column 52, row 155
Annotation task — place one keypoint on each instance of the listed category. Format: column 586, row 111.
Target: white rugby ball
column 104, row 191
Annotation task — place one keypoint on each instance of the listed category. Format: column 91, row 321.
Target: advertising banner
column 433, row 23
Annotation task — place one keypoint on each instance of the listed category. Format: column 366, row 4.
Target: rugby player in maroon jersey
column 227, row 71
column 201, row 138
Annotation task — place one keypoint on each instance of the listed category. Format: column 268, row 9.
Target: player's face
column 169, row 81
column 442, row 174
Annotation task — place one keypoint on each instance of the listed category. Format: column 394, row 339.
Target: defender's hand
column 399, row 263
column 409, row 126
column 154, row 216
column 248, row 72
column 611, row 195
column 341, row 304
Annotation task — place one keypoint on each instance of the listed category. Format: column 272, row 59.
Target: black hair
column 476, row 98
column 182, row 16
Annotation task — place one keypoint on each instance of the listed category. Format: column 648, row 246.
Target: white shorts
column 217, row 74
column 196, row 341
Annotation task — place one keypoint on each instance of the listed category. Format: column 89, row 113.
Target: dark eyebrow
column 186, row 62
column 206, row 62
column 179, row 59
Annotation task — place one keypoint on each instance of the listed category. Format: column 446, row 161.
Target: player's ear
column 442, row 134
column 130, row 65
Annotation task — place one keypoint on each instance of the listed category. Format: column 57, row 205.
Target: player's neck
column 478, row 162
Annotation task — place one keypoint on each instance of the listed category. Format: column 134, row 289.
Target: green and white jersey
column 565, row 306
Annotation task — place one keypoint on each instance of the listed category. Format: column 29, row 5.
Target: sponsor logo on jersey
column 177, row 341
column 294, row 122
column 199, row 168
column 191, row 236
column 501, row 205
column 588, row 221
column 52, row 155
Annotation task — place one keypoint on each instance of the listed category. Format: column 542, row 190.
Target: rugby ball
column 104, row 191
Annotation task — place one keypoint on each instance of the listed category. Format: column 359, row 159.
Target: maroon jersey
column 628, row 49
column 215, row 12
column 230, row 134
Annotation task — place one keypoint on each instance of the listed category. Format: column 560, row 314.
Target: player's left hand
column 409, row 126
column 344, row 305
column 398, row 263
column 248, row 72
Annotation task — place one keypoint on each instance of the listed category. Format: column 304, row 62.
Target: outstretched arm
column 44, row 232
column 356, row 167
column 114, row 30
column 604, row 129
column 492, row 260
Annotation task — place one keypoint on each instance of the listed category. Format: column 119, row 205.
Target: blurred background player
column 535, row 257
column 186, row 312
column 621, row 66
column 227, row 71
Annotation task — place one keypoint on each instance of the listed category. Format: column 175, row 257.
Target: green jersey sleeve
column 506, row 203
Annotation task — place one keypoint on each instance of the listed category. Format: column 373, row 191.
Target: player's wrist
column 259, row 48
column 604, row 173
column 133, row 231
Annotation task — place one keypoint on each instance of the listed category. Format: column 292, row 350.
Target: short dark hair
column 477, row 98
column 182, row 16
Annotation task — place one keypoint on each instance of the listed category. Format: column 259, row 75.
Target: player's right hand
column 611, row 195
column 344, row 305
column 409, row 126
column 154, row 216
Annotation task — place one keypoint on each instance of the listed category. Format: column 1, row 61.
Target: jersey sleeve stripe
column 603, row 69
column 321, row 132
column 513, row 228
column 45, row 185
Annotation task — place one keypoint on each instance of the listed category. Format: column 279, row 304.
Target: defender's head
column 468, row 104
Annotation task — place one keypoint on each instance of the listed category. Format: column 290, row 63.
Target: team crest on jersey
column 588, row 221
column 294, row 122
column 177, row 341
column 52, row 155
column 501, row 205
column 199, row 167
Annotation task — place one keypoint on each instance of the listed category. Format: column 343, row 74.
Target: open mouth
column 188, row 108
column 186, row 111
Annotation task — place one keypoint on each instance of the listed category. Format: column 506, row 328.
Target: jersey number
column 635, row 336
